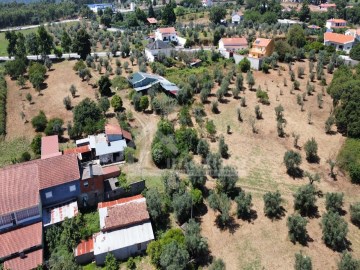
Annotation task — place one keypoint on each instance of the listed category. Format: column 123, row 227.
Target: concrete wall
column 60, row 193
column 254, row 62
column 85, row 258
column 135, row 188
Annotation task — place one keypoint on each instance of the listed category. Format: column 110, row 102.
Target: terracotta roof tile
column 111, row 170
column 19, row 187
column 77, row 150
column 20, row 239
column 337, row 20
column 237, row 41
column 50, row 146
column 126, row 214
column 112, row 129
column 152, row 20
column 261, row 42
column 127, row 135
column 167, row 30
column 119, row 201
column 31, row 261
column 338, row 38
column 85, row 247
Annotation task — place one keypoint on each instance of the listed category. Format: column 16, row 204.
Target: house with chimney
column 125, row 231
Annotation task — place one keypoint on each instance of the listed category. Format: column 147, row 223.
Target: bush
column 262, row 96
column 36, row 144
column 54, row 127
column 116, row 102
column 355, row 213
column 39, row 122
column 130, row 264
column 305, row 199
column 217, row 264
column 272, row 204
column 334, row 229
column 311, row 148
column 292, row 161
column 244, row 65
column 348, row 263
column 302, row 262
column 67, row 103
column 228, row 177
column 297, row 229
column 355, row 52
column 129, row 155
column 120, row 82
column 334, row 202
column 244, row 205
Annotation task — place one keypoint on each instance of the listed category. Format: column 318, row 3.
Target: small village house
column 339, row 41
column 335, row 23
column 153, row 49
column 262, row 47
column 233, row 44
column 237, row 17
column 327, row 6
column 125, row 231
column 167, row 34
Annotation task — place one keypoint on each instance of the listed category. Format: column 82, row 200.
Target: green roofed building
column 141, row 81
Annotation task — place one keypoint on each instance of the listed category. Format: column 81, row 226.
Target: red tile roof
column 77, row 150
column 112, row 129
column 167, row 30
column 85, row 247
column 19, row 187
column 152, row 20
column 58, row 170
column 127, row 135
column 237, row 41
column 119, row 201
column 338, row 38
column 50, row 146
column 111, row 170
column 337, row 20
column 20, row 239
column 126, row 214
column 261, row 42
column 31, row 261
column 20, row 183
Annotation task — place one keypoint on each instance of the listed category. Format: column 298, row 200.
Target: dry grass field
column 262, row 243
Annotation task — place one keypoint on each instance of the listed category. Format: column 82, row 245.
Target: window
column 48, row 195
column 86, row 183
column 72, row 188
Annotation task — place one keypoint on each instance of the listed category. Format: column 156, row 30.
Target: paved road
column 37, row 25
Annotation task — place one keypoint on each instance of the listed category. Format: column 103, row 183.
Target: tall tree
column 304, row 13
column 32, row 43
column 168, row 15
column 11, row 37
column 65, row 42
column 45, row 41
column 20, row 46
column 81, row 43
column 217, row 13
column 151, row 13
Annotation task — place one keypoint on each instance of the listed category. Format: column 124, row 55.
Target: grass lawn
column 13, row 149
column 4, row 42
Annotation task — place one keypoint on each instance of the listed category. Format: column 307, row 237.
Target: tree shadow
column 230, row 225
column 234, row 192
column 250, row 218
column 110, row 115
column 313, row 159
column 279, row 215
column 296, row 173
column 312, row 212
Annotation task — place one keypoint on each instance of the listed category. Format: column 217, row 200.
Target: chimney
column 91, row 170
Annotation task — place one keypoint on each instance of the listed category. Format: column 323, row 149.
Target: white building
column 237, row 17
column 96, row 7
column 206, row 3
column 339, row 41
column 354, row 33
column 233, row 44
column 166, row 34
column 335, row 23
column 152, row 50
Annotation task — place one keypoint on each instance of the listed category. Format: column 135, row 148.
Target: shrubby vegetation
column 3, row 95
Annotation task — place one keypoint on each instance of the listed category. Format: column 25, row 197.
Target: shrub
column 116, row 102
column 305, row 199
column 334, row 201
column 302, row 262
column 244, row 204
column 297, row 229
column 39, row 122
column 272, row 204
column 334, row 229
column 355, row 213
column 311, row 148
column 348, row 263
column 36, row 144
column 67, row 102
column 3, row 94
column 244, row 65
column 292, row 161
column 120, row 82
column 262, row 96
column 54, row 127
column 129, row 154
column 228, row 177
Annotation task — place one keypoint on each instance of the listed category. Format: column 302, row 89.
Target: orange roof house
column 262, row 47
column 335, row 23
column 339, row 41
